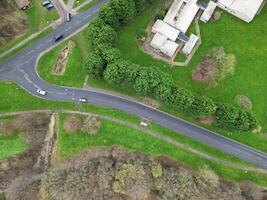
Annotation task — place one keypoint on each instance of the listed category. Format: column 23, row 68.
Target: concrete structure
column 208, row 12
column 165, row 29
column 243, row 9
column 23, row 4
column 189, row 46
column 164, row 45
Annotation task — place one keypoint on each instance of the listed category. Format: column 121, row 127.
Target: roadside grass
column 74, row 73
column 38, row 17
column 85, row 7
column 11, row 145
column 112, row 134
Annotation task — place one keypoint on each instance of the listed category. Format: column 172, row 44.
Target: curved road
column 21, row 69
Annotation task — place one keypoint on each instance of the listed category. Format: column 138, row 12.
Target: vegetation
column 114, row 134
column 148, row 81
column 11, row 145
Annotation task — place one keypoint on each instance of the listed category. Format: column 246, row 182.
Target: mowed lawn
column 247, row 41
column 112, row 134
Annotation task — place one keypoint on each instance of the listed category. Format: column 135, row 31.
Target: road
column 21, row 69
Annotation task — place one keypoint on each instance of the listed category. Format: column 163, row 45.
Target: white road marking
column 29, row 52
column 60, row 93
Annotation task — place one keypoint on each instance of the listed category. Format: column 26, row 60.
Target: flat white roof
column 186, row 16
column 190, row 44
column 208, row 11
column 173, row 11
column 244, row 9
column 165, row 29
column 158, row 40
column 169, row 48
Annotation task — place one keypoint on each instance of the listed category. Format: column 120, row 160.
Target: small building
column 23, row 4
column 190, row 44
column 208, row 12
column 164, row 45
column 243, row 9
column 165, row 29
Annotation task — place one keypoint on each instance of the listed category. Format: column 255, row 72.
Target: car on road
column 46, row 2
column 58, row 37
column 41, row 92
column 83, row 100
column 68, row 17
column 49, row 6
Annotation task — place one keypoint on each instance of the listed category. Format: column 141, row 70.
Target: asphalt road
column 21, row 69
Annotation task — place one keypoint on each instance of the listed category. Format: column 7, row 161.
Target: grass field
column 74, row 73
column 11, row 145
column 112, row 134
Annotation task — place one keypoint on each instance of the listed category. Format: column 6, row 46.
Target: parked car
column 58, row 37
column 83, row 100
column 46, row 2
column 68, row 17
column 49, row 6
column 41, row 92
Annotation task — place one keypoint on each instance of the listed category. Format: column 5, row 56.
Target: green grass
column 74, row 73
column 112, row 134
column 39, row 17
column 11, row 146
column 85, row 7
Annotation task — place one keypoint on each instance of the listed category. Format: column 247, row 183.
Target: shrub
column 233, row 118
column 124, row 9
column 94, row 65
column 141, row 35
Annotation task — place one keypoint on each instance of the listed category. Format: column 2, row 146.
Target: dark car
column 58, row 37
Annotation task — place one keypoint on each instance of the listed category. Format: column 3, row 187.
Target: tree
column 108, row 15
column 139, row 5
column 233, row 118
column 124, row 9
column 202, row 106
column 101, row 36
column 115, row 72
column 182, row 98
column 94, row 65
column 112, row 55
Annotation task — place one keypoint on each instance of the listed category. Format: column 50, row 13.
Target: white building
column 190, row 44
column 243, row 9
column 208, row 12
column 165, row 29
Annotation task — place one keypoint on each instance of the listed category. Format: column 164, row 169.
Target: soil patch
column 72, row 124
column 13, row 21
column 151, row 102
column 207, row 120
column 62, row 59
column 243, row 101
column 216, row 15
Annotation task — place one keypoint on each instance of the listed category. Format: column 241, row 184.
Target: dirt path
column 151, row 133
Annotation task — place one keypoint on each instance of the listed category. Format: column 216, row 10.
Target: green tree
column 124, row 9
column 202, row 106
column 139, row 5
column 94, row 65
column 108, row 15
column 112, row 55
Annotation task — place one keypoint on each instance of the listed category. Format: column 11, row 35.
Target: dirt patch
column 205, row 71
column 72, row 124
column 207, row 120
column 8, row 126
column 151, row 102
column 13, row 21
column 91, row 125
column 216, row 16
column 214, row 67
column 62, row 59
column 243, row 101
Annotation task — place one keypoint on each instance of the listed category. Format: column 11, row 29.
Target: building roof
column 189, row 46
column 186, row 16
column 158, row 40
column 165, row 29
column 169, row 48
column 22, row 3
column 208, row 12
column 244, row 9
column 173, row 11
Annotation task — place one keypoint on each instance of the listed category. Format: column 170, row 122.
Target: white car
column 83, row 100
column 41, row 92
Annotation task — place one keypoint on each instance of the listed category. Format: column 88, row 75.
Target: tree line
column 106, row 61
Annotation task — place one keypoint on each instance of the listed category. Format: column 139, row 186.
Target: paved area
column 21, row 69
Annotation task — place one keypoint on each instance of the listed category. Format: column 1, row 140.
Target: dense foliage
column 107, row 61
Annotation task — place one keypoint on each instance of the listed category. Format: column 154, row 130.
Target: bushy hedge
column 106, row 61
